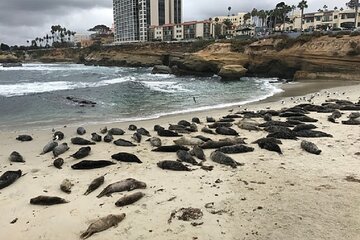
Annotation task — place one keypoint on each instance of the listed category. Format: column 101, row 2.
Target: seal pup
column 310, row 147
column 24, row 138
column 108, row 138
column 95, row 184
column 126, row 157
column 190, row 141
column 184, row 156
column 81, row 141
column 132, row 127
column 81, row 153
column 66, row 186
column 155, row 141
column 116, row 131
column 80, row 131
column 58, row 163
column 198, row 152
column 236, row 149
column 103, row 224
column 9, row 177
column 143, row 131
column 91, row 164
column 128, row 184
column 16, row 157
column 124, row 143
column 226, row 131
column 137, row 137
column 49, row 147
column 172, row 165
column 221, row 158
column 58, row 150
column 171, row 148
column 58, row 135
column 96, row 137
column 47, row 200
column 129, row 199
column 103, row 130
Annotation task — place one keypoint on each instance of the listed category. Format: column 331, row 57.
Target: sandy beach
column 296, row 195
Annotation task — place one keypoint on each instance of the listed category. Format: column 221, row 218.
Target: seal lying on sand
column 103, row 224
column 81, row 141
column 143, row 131
column 66, row 186
column 137, row 137
column 108, row 138
column 80, row 131
column 304, row 126
column 124, row 143
column 155, row 141
column 198, row 152
column 128, row 184
column 239, row 148
column 188, row 141
column 184, row 156
column 269, row 144
column 226, row 131
column 310, row 147
column 129, row 199
column 58, row 135
column 9, row 177
column 172, row 165
column 24, row 138
column 58, row 163
column 96, row 137
column 95, row 184
column 87, row 164
column 216, row 144
column 116, row 131
column 47, row 200
column 60, row 149
column 132, row 127
column 221, row 158
column 167, row 133
column 49, row 147
column 126, row 157
column 16, row 157
column 171, row 148
column 81, row 153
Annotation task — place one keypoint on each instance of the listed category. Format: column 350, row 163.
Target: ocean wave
column 52, row 67
column 165, row 86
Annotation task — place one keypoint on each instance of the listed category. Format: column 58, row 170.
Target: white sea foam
column 165, row 86
column 51, row 67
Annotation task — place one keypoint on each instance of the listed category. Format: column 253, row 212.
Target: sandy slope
column 293, row 196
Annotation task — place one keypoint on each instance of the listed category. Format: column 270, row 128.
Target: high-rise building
column 132, row 18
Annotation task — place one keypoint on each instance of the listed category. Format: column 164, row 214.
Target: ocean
column 35, row 95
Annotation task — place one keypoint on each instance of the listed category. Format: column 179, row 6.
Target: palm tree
column 335, row 8
column 254, row 13
column 302, row 5
column 262, row 15
column 325, row 7
column 217, row 32
column 354, row 4
column 229, row 9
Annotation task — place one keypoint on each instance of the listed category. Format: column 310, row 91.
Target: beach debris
column 128, row 184
column 221, row 158
column 80, row 131
column 172, row 165
column 58, row 136
column 24, row 138
column 126, row 157
column 124, row 143
column 310, row 147
column 81, row 141
column 185, row 156
column 91, row 164
column 47, row 200
column 49, row 147
column 129, row 199
column 96, row 137
column 58, row 163
column 116, row 131
column 103, row 224
column 95, row 184
column 155, row 141
column 186, row 214
column 81, row 153
column 66, row 186
column 9, row 177
column 16, row 157
column 170, row 148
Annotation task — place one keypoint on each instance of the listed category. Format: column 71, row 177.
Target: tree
column 217, row 27
column 354, row 4
column 262, row 15
column 302, row 5
column 227, row 22
column 100, row 29
column 4, row 47
column 247, row 16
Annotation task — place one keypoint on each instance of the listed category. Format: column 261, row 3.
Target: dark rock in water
column 126, row 157
column 172, row 165
column 221, row 158
column 81, row 153
column 16, row 157
column 80, row 131
column 269, row 145
column 236, row 149
column 58, row 135
column 210, row 119
column 198, row 152
column 143, row 132
column 87, row 164
column 312, row 134
column 304, row 126
column 24, row 138
column 310, row 147
column 195, row 120
column 9, row 177
column 116, row 131
column 58, row 163
column 158, row 127
column 283, row 135
column 216, row 144
column 276, row 123
column 81, row 141
column 60, row 149
column 167, row 133
column 108, row 138
column 205, row 139
column 47, row 200
column 171, row 148
column 80, row 101
column 185, row 156
column 226, row 131
column 207, row 130
column 184, row 123
column 220, row 124
column 303, row 119
column 351, row 122
column 132, row 127
column 124, row 143
column 268, row 139
column 137, row 137
column 96, row 137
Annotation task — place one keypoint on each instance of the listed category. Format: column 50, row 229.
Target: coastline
column 295, row 195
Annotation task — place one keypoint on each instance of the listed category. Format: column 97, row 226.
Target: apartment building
column 132, row 18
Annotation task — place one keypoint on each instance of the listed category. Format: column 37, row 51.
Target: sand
column 291, row 196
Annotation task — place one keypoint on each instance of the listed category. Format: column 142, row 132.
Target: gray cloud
column 22, row 20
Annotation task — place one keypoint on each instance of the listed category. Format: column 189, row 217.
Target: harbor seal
column 91, row 164
column 195, row 120
column 103, row 224
column 80, row 131
column 283, row 135
column 137, row 137
column 304, row 126
column 198, row 152
column 58, row 163
column 210, row 119
column 221, row 158
column 226, row 131
column 236, row 149
column 155, row 141
column 216, row 144
column 143, row 131
column 124, row 143
column 49, row 147
column 47, row 200
column 208, row 130
column 58, row 136
column 108, row 138
column 128, row 184
column 171, row 148
column 96, row 137
column 95, row 184
column 81, row 141
column 172, row 165
column 302, row 119
column 103, row 130
column 9, row 177
column 81, row 153
column 167, row 133
column 126, row 157
column 184, row 156
column 132, row 127
column 116, row 131
column 270, row 145
column 190, row 141
column 66, row 186
column 220, row 124
column 16, row 157
column 310, row 147
column 24, row 138
column 184, row 123
column 312, row 134
column 129, row 199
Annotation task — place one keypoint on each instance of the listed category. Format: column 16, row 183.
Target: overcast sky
column 22, row 20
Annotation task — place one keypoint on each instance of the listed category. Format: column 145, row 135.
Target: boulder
column 232, row 72
column 161, row 69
